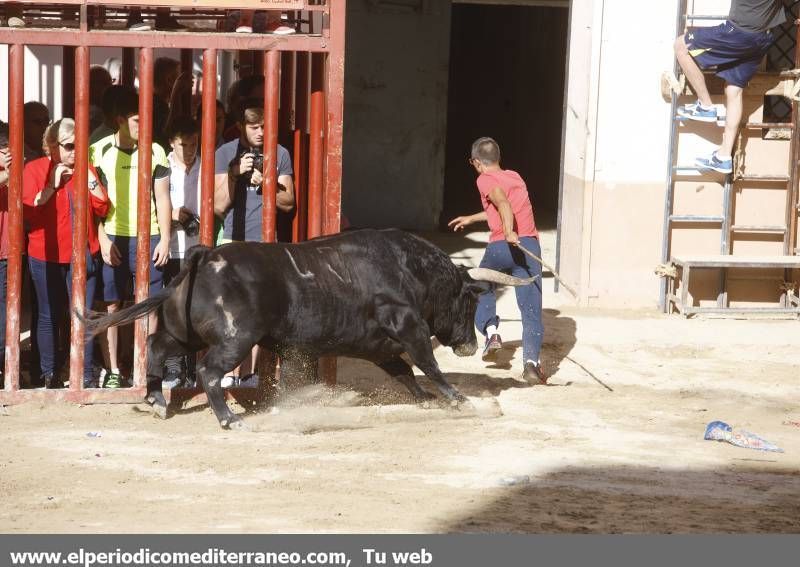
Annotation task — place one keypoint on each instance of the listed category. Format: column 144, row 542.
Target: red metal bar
column 16, row 74
column 68, row 81
column 144, row 196
column 299, row 222
column 172, row 40
column 302, row 91
column 79, row 218
column 300, row 142
column 335, row 90
column 207, row 147
column 272, row 65
column 316, row 153
column 128, row 71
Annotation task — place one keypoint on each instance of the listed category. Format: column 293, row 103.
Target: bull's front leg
column 406, row 326
column 398, row 369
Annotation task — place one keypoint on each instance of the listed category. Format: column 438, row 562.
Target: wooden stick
column 555, row 274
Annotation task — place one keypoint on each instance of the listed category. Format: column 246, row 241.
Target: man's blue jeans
column 503, row 257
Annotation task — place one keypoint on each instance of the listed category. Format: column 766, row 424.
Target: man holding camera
column 238, row 196
column 238, row 178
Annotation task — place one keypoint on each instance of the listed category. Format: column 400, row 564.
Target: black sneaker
column 534, row 375
column 90, row 382
column 493, row 344
column 52, row 381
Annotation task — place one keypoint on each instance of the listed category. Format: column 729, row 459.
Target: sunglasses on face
column 68, row 147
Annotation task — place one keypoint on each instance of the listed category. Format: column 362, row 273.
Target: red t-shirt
column 517, row 194
column 50, row 225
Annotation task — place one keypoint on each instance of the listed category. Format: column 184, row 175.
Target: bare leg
column 693, row 73
column 734, row 107
column 112, row 334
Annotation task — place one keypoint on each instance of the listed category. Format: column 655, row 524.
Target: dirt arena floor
column 613, row 445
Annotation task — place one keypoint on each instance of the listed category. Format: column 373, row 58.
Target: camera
column 191, row 226
column 258, row 159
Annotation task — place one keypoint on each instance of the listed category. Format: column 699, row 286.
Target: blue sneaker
column 715, row 164
column 694, row 111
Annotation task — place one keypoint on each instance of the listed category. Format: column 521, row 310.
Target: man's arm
column 500, row 201
column 459, row 223
column 285, row 196
column 164, row 215
column 222, row 194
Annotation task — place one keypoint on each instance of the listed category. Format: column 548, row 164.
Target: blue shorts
column 732, row 53
column 119, row 281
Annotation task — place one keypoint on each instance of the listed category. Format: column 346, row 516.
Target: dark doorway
column 507, row 67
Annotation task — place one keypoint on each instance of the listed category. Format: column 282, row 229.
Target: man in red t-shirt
column 508, row 210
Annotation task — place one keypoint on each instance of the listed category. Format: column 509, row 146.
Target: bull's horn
column 486, row 275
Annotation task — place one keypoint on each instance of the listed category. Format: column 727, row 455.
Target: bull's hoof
column 158, row 404
column 235, row 423
column 160, row 411
column 428, row 404
column 460, row 403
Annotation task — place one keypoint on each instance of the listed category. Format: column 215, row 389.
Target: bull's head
column 458, row 331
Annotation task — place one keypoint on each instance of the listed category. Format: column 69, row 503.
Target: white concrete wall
column 617, row 138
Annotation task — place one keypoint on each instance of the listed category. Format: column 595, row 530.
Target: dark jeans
column 52, row 283
column 503, row 257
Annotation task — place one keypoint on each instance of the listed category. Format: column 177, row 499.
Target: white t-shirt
column 184, row 191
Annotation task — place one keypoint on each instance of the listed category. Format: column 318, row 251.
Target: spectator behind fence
column 5, row 165
column 36, row 118
column 107, row 104
column 165, row 73
column 49, row 200
column 238, row 175
column 114, row 67
column 184, row 192
column 99, row 81
column 116, row 158
column 251, row 87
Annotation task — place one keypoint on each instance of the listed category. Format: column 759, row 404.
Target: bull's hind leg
column 159, row 345
column 398, row 369
column 219, row 359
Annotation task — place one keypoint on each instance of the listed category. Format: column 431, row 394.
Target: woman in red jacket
column 48, row 197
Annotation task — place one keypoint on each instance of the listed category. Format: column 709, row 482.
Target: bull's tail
column 96, row 322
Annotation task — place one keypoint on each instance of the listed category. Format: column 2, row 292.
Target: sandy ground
column 613, row 445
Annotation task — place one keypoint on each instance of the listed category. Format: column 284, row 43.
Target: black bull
column 370, row 294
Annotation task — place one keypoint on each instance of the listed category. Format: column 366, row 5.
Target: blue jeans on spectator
column 503, row 257
column 53, row 285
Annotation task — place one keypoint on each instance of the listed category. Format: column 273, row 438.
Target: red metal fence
column 304, row 82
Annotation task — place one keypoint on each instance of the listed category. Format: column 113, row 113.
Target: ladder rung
column 696, row 218
column 758, row 228
column 705, row 17
column 775, row 178
column 756, row 125
column 693, row 167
